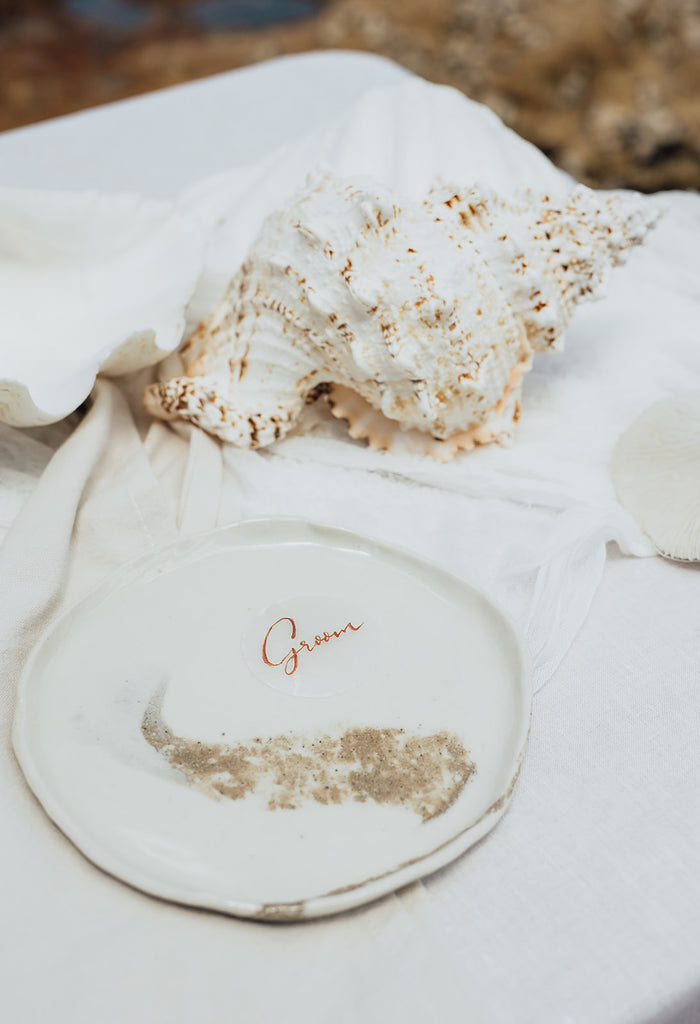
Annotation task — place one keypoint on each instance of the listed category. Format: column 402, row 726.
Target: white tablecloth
column 582, row 906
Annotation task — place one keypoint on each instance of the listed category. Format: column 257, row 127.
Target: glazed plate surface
column 276, row 720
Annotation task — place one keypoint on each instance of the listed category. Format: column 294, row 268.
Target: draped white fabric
column 582, row 906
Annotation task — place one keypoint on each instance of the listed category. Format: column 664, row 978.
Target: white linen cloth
column 548, row 918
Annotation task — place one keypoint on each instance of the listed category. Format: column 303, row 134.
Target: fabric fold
column 96, row 506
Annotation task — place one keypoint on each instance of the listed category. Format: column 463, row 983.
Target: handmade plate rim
column 107, row 858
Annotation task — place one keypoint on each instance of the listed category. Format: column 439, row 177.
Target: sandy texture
column 423, row 774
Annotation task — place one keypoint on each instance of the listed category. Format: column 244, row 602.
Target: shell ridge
column 428, row 311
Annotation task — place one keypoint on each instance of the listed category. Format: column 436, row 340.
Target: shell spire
column 420, row 317
column 550, row 255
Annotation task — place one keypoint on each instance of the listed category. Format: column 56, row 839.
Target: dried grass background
column 609, row 89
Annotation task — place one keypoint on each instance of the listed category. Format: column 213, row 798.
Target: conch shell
column 418, row 317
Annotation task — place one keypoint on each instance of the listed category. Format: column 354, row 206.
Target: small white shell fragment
column 428, row 310
column 656, row 472
column 88, row 283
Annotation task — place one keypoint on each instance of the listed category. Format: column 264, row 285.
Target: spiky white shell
column 428, row 311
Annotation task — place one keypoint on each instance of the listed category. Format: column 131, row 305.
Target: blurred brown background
column 609, row 89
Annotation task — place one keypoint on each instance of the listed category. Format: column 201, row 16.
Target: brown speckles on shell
column 352, row 289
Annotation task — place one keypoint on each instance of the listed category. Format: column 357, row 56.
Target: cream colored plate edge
column 462, row 833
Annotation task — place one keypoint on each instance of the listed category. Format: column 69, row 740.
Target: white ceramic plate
column 276, row 720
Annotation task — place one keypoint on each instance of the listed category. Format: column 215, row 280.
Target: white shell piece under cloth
column 656, row 472
column 276, row 720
